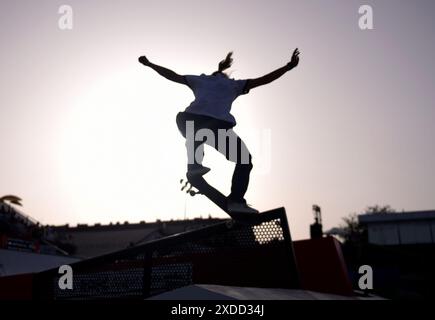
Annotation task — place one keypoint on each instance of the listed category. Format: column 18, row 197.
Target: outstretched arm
column 268, row 78
column 164, row 72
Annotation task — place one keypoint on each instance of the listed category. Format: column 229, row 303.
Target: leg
column 230, row 145
column 195, row 154
column 189, row 125
column 240, row 180
column 235, row 150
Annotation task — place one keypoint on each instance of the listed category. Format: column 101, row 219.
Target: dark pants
column 234, row 149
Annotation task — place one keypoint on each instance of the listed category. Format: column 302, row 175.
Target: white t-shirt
column 214, row 95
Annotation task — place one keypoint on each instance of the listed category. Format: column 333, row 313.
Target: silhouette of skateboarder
column 208, row 120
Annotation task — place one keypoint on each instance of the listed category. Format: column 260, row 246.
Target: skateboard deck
column 217, row 198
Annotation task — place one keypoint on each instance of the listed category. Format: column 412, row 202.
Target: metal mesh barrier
column 228, row 253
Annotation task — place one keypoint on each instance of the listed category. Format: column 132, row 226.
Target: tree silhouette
column 351, row 230
column 379, row 209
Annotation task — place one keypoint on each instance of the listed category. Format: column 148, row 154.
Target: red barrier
column 3, row 241
column 17, row 287
column 322, row 267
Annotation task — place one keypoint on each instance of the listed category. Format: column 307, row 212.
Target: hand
column 144, row 60
column 295, row 59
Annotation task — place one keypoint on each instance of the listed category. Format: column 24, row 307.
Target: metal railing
column 227, row 253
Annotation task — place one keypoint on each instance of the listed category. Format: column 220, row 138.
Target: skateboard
column 215, row 196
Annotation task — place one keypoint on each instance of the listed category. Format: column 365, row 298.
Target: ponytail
column 225, row 64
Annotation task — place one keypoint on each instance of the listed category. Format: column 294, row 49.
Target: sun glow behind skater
column 350, row 128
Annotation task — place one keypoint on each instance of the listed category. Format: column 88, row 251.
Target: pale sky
column 88, row 134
